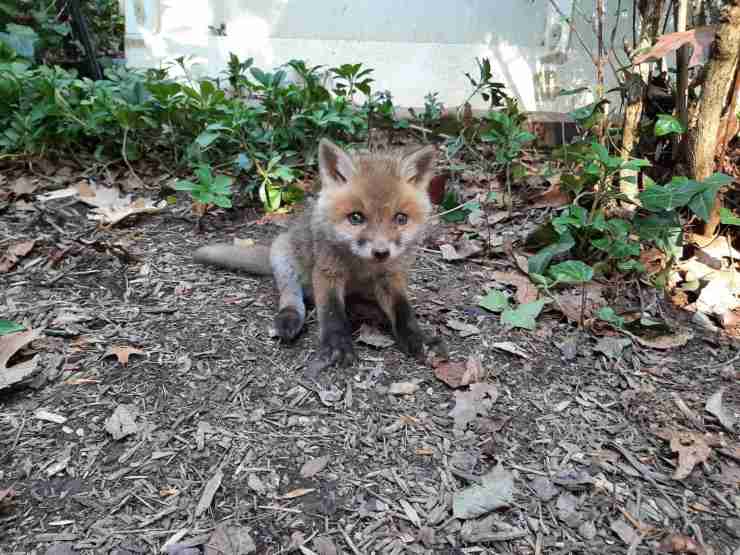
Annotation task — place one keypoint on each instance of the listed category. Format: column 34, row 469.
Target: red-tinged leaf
column 6, row 499
column 700, row 39
column 676, row 543
column 553, row 197
column 14, row 253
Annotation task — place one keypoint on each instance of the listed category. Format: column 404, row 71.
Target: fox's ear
column 335, row 165
column 417, row 167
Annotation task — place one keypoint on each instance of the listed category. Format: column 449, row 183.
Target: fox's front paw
column 288, row 323
column 337, row 348
column 410, row 340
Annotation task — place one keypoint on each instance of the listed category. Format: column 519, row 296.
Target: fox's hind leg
column 286, row 270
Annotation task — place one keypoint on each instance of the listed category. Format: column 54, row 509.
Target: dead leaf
column 526, row 292
column 553, row 197
column 209, row 492
column 9, row 345
column 512, row 348
column 584, row 300
column 6, row 500
column 437, row 187
column 374, row 338
column 664, row 342
column 459, row 374
column 465, row 249
column 14, row 253
column 715, row 407
column 653, row 259
column 123, row 352
column 692, row 449
column 300, row 492
column 677, row 543
column 229, row 539
column 612, row 346
column 403, row 388
column 122, row 422
column 625, row 531
column 700, row 38
column 495, row 491
column 470, row 404
column 23, row 186
column 109, row 205
column 314, row 466
column 465, row 330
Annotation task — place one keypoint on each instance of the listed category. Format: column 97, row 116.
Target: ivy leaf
column 185, row 185
column 572, row 271
column 539, row 262
column 607, row 314
column 667, row 124
column 524, row 316
column 494, row 301
column 727, row 217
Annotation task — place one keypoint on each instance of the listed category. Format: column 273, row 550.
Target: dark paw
column 410, row 341
column 336, row 348
column 288, row 324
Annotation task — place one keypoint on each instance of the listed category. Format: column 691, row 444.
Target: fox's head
column 375, row 203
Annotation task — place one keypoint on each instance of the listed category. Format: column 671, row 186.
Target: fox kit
column 357, row 239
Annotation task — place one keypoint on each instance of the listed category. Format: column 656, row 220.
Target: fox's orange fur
column 357, row 239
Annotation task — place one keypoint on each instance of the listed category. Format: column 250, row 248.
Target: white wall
column 415, row 47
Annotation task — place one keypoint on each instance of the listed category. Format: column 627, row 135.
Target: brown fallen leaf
column 553, row 197
column 700, row 38
column 6, row 500
column 123, row 352
column 459, row 374
column 464, row 249
column 692, row 449
column 664, row 342
column 716, row 408
column 230, row 539
column 23, row 186
column 9, row 345
column 526, row 291
column 590, row 297
column 677, row 543
column 300, row 492
column 14, row 253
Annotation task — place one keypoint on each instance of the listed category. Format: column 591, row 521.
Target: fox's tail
column 253, row 260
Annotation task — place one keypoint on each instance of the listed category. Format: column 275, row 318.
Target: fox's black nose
column 381, row 255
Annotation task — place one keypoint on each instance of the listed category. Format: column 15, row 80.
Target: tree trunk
column 636, row 83
column 682, row 79
column 703, row 138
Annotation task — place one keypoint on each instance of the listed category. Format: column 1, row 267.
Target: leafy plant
column 351, row 77
column 209, row 189
column 433, row 109
column 491, row 91
column 274, row 186
column 668, row 125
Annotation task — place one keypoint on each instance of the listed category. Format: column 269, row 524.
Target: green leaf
column 572, row 271
column 568, row 92
column 703, row 203
column 270, row 196
column 667, row 124
column 538, row 263
column 222, row 201
column 222, row 185
column 494, row 301
column 607, row 314
column 523, row 316
column 8, row 326
column 185, row 185
column 206, row 138
column 727, row 217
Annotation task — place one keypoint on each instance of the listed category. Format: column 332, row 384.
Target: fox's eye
column 356, row 218
column 401, row 218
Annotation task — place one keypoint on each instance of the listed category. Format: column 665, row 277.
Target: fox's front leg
column 392, row 298
column 334, row 327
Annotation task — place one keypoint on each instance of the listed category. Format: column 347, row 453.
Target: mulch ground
column 164, row 417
